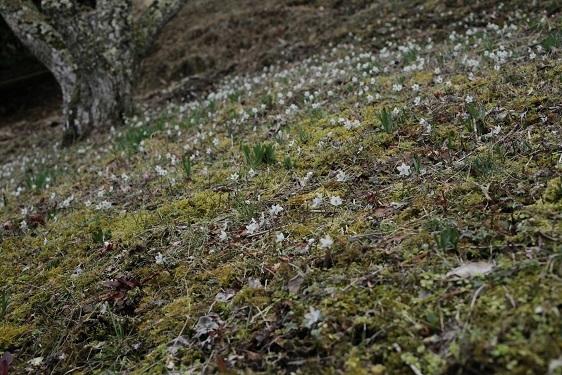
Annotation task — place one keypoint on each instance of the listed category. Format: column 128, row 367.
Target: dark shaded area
column 30, row 98
column 27, row 90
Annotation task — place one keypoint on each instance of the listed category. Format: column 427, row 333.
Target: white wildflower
column 159, row 258
column 77, row 271
column 341, row 176
column 424, row 122
column 66, row 202
column 275, row 210
column 279, row 237
column 335, row 200
column 317, row 201
column 104, row 205
column 252, row 227
column 312, row 317
column 161, row 171
column 326, row 242
column 35, row 362
column 404, row 169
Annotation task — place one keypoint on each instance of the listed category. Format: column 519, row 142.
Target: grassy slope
column 215, row 294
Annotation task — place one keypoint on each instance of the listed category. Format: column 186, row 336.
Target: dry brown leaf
column 471, row 269
column 295, row 283
column 383, row 212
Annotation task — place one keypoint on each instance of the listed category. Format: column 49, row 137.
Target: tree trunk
column 93, row 49
column 95, row 100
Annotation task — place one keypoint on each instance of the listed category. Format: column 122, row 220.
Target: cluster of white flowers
column 103, row 205
column 275, row 210
column 426, row 124
column 161, row 171
column 252, row 227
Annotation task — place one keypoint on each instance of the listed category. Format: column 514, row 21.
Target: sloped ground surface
column 215, row 38
column 390, row 204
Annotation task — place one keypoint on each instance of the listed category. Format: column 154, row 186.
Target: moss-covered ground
column 389, row 205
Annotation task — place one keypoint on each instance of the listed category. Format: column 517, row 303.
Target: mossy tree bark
column 93, row 49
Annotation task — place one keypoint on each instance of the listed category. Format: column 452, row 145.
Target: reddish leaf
column 8, row 226
column 372, row 198
column 35, row 219
column 222, row 366
column 148, row 278
column 128, row 284
column 112, row 284
column 5, row 362
column 115, row 296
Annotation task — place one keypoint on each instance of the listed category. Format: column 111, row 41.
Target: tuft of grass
column 386, row 120
column 447, row 238
column 553, row 41
column 42, row 178
column 186, row 165
column 482, row 166
column 288, row 163
column 259, row 154
column 134, row 137
column 99, row 236
column 5, row 302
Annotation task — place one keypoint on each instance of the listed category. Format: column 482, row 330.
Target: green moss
column 12, row 335
column 252, row 297
column 553, row 191
column 131, row 226
column 473, row 199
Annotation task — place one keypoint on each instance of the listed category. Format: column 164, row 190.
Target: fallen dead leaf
column 383, row 212
column 471, row 269
column 295, row 283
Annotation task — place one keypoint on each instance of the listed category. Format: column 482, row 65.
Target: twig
column 472, row 306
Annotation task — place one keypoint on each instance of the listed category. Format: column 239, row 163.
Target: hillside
column 385, row 199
